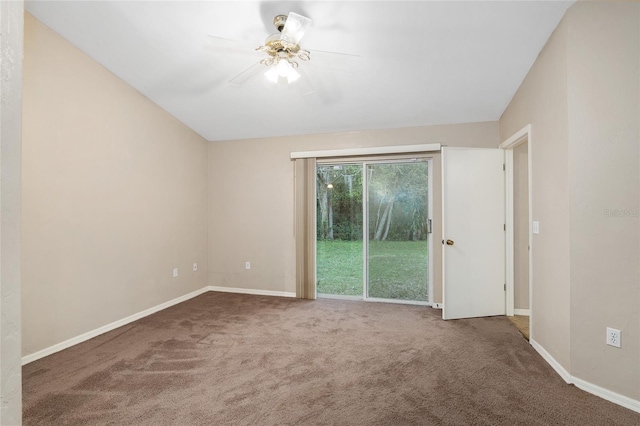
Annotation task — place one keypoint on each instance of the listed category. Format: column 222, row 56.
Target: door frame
column 524, row 135
column 365, row 231
column 397, row 157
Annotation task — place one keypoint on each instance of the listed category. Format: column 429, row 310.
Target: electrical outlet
column 195, row 267
column 613, row 337
column 175, row 272
column 247, row 265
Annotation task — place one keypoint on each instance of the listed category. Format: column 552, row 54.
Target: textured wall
column 582, row 97
column 11, row 24
column 114, row 196
column 251, row 199
column 541, row 101
column 604, row 154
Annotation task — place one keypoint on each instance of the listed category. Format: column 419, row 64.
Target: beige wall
column 114, row 196
column 604, row 175
column 251, row 199
column 541, row 101
column 11, row 24
column 582, row 98
column 521, row 226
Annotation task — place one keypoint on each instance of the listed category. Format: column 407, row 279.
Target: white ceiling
column 421, row 62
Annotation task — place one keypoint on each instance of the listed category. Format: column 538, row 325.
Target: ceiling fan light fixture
column 282, row 69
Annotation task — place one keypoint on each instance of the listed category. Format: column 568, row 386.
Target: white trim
column 616, row 398
column 430, row 290
column 552, row 361
column 373, row 299
column 520, row 137
column 347, row 152
column 509, row 234
column 524, row 312
column 365, row 231
column 596, row 390
column 443, row 225
column 112, row 326
column 611, row 396
column 251, row 291
column 339, row 297
column 397, row 301
column 106, row 328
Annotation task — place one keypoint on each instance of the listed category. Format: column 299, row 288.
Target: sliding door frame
column 365, row 230
column 388, row 159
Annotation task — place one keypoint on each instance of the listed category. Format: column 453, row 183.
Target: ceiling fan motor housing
column 275, row 44
column 279, row 22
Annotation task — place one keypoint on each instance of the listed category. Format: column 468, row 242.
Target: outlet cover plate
column 613, row 337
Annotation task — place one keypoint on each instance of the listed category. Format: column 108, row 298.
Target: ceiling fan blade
column 294, row 28
column 225, row 45
column 335, row 60
column 304, row 85
column 248, row 74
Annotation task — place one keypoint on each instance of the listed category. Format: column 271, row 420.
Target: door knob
column 449, row 242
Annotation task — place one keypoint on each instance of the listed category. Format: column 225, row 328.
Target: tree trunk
column 323, row 213
column 330, row 217
column 383, row 221
column 378, row 215
column 389, row 216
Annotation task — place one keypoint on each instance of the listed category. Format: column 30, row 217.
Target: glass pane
column 397, row 219
column 339, row 229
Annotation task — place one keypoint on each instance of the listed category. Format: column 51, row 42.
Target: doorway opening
column 519, row 230
column 373, row 230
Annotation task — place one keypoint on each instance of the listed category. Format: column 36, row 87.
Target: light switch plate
column 536, row 227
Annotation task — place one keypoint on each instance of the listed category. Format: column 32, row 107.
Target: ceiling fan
column 284, row 54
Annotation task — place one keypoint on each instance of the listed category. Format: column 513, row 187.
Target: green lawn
column 397, row 269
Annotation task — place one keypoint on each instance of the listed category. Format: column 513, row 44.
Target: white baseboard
column 596, row 390
column 551, row 361
column 251, row 291
column 524, row 312
column 112, row 326
column 616, row 398
column 601, row 392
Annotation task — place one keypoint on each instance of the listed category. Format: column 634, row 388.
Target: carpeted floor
column 223, row 359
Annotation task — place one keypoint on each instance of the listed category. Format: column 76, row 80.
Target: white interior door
column 473, row 213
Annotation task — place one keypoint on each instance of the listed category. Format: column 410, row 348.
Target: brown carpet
column 250, row 360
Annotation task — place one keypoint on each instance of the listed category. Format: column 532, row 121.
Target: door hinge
column 505, row 287
column 429, row 227
column 504, row 226
column 504, row 167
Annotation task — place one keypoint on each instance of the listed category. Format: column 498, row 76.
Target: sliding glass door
column 397, row 231
column 339, row 251
column 373, row 228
